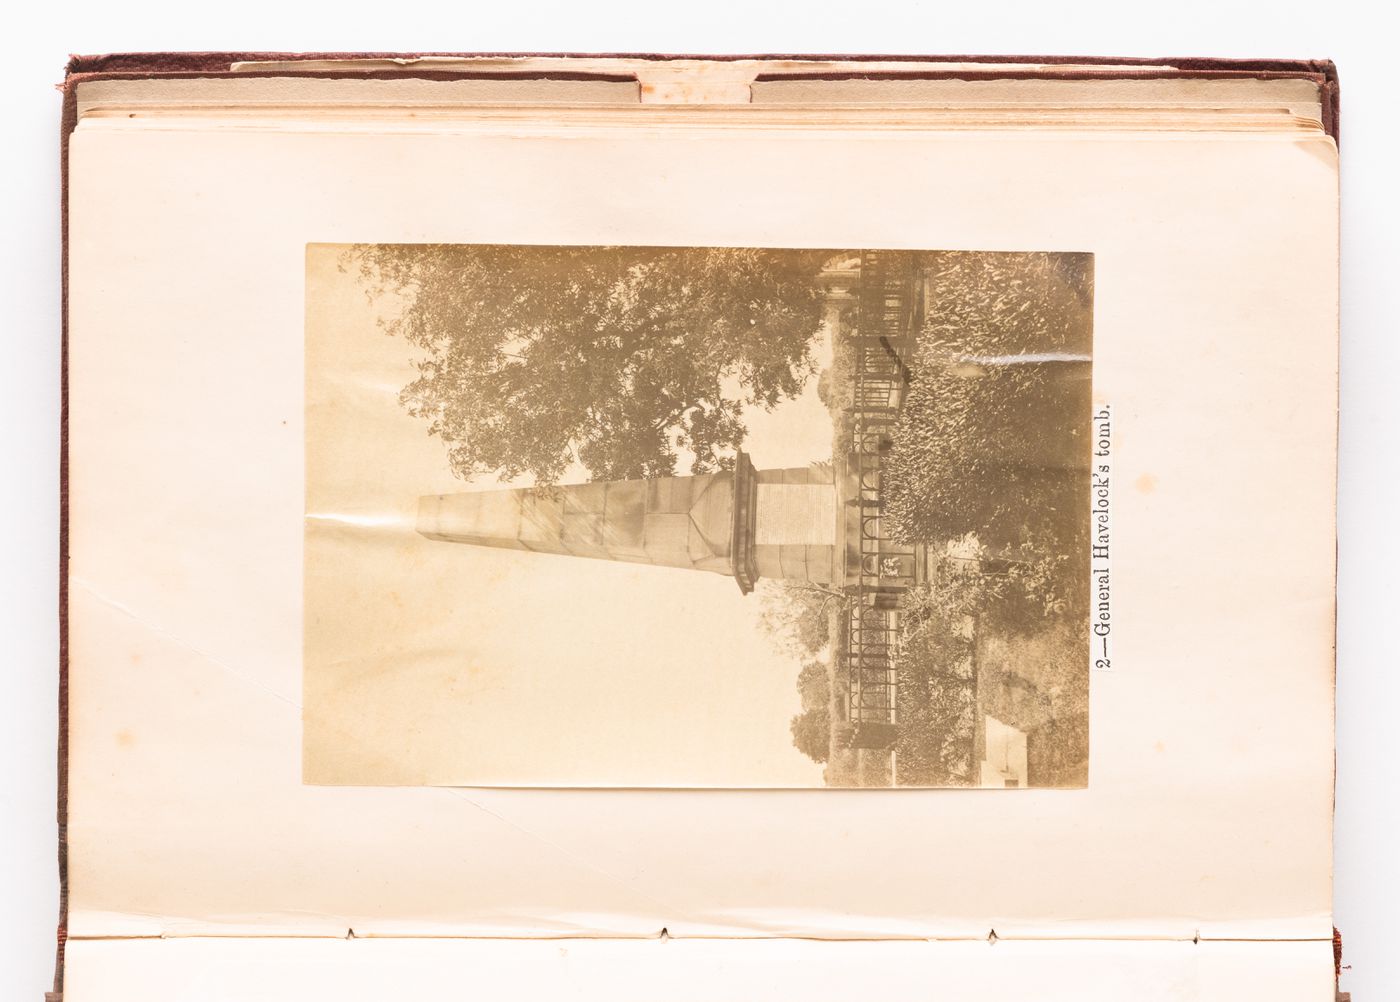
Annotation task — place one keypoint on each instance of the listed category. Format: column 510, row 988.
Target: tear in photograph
column 696, row 517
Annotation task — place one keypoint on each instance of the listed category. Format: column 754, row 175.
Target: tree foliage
column 936, row 694
column 811, row 729
column 983, row 303
column 796, row 615
column 1032, row 586
column 618, row 359
column 995, row 427
column 811, row 734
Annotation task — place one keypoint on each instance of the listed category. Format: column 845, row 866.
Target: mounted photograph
column 725, row 517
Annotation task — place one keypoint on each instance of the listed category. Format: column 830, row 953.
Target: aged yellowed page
column 1208, row 801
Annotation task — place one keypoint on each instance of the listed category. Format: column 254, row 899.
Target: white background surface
column 1368, row 870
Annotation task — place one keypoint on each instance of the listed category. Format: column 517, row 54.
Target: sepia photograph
column 727, row 517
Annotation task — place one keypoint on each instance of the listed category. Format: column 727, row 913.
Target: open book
column 682, row 528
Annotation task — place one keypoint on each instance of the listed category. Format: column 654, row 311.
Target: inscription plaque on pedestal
column 796, row 514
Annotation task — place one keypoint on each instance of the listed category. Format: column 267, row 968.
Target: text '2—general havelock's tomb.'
column 925, row 574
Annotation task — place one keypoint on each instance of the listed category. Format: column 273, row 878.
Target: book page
column 1208, row 798
column 698, row 970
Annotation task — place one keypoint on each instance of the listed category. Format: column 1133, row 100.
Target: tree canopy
column 993, row 434
column 936, row 691
column 811, row 729
column 796, row 615
column 618, row 359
